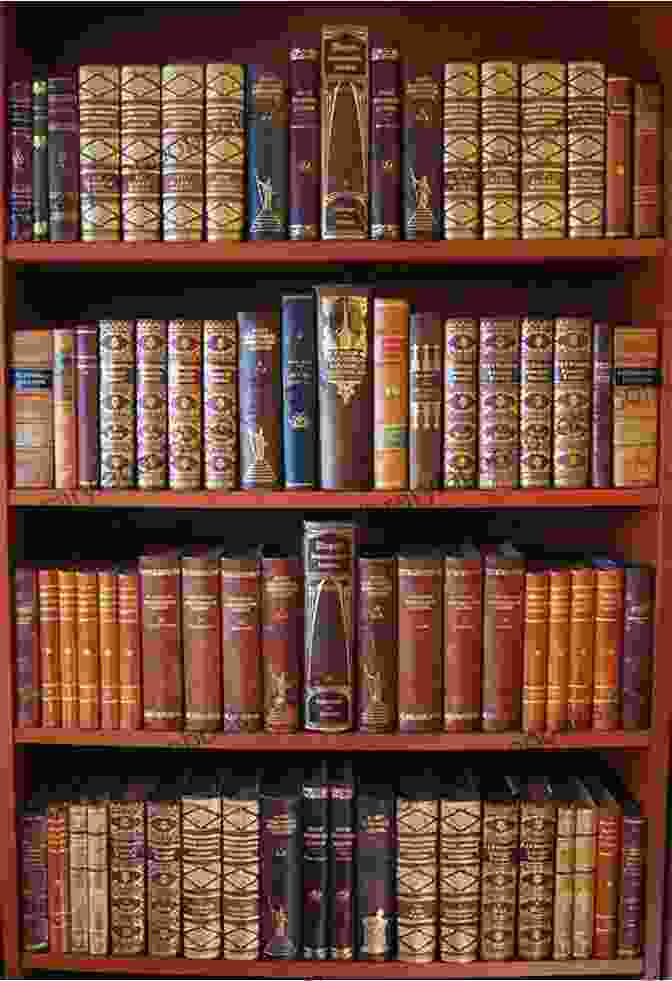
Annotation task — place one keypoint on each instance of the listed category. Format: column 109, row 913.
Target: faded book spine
column 267, row 152
column 201, row 643
column 385, row 148
column 608, row 650
column 648, row 165
column 304, row 142
column 240, row 878
column 417, row 879
column 40, row 163
column 499, row 403
column 86, row 365
column 572, row 373
column 67, row 643
column 390, row 394
column 63, row 158
column 65, row 409
column 635, row 395
column 631, row 899
column 499, row 882
column 636, row 666
column 100, row 152
column 58, row 883
column 460, row 427
column 420, row 619
column 220, row 404
column 27, row 646
column 50, row 675
column 151, row 358
column 535, row 651
column 536, row 402
column 299, row 392
column 97, row 833
column 425, row 401
column 581, row 644
column 282, row 632
column 536, row 879
column 88, row 649
column 544, row 149
column 108, row 614
column 422, row 153
column 459, row 880
column 502, row 641
column 127, row 878
column 619, row 157
column 584, row 882
column 225, row 149
column 161, row 642
column 375, row 873
column 586, row 148
column 461, row 150
column 341, row 861
column 558, row 649
column 141, row 153
column 201, row 876
column 31, row 431
column 130, row 689
column 603, row 353
column 182, row 156
column 20, row 151
column 34, row 880
column 117, row 404
column 78, row 878
column 185, row 389
column 377, row 654
column 260, row 386
column 563, row 902
column 164, row 878
column 241, row 642
column 315, row 862
column 500, row 149
column 280, row 866
column 462, row 641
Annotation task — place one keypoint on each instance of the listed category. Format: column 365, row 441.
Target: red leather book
column 420, row 649
column 220, row 404
column 32, row 842
column 385, row 147
column 377, row 652
column 182, row 156
column 499, row 403
column 99, row 152
column 462, row 639
column 607, row 869
column 260, row 399
column 608, row 650
column 422, row 152
column 304, row 141
column 162, row 672
column 63, row 158
column 535, row 651
column 648, row 169
column 241, row 642
column 390, row 393
column 50, row 675
column 141, row 153
column 86, row 367
column 460, row 428
column 315, row 814
column 67, row 644
column 88, row 647
column 201, row 640
column 282, row 636
column 151, row 367
column 130, row 657
column 65, row 409
column 185, row 434
column 20, row 151
column 636, row 665
column 601, row 434
column 619, row 157
column 536, row 402
column 461, row 150
column 108, row 613
column 27, row 645
column 425, row 401
column 503, row 613
column 281, row 839
column 117, row 403
column 341, row 860
column 58, row 880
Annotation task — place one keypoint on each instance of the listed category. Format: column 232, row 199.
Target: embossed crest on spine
column 225, row 146
column 461, row 151
column 182, row 159
column 99, row 152
column 141, row 152
column 500, row 149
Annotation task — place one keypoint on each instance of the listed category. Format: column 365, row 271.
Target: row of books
column 342, row 392
column 322, row 862
column 456, row 639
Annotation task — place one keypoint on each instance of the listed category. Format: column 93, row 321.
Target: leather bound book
column 32, row 834
column 202, row 869
column 201, row 640
column 603, row 354
column 225, row 147
column 116, row 341
column 460, row 868
column 558, row 648
column 27, row 645
column 565, row 856
column 460, row 427
column 20, row 151
column 535, row 650
column 240, row 867
column 88, row 648
column 260, row 387
column 86, row 367
column 130, row 657
column 572, row 378
column 425, row 401
column 282, row 634
column 151, row 361
column 241, row 642
column 607, row 869
column 462, row 639
column 40, row 164
column 108, row 614
column 461, row 150
column 304, row 141
column 100, row 152
column 422, row 153
column 499, row 869
column 141, row 153
column 63, row 158
column 375, row 869
column 536, row 402
column 500, row 149
column 281, row 837
column 636, row 666
column 635, row 394
column 97, row 837
column 584, row 872
column 315, row 821
column 417, row 868
column 586, row 148
column 499, row 403
column 185, row 391
column 50, row 674
column 67, row 645
column 390, row 393
column 385, row 148
column 504, row 571
column 58, row 880
column 648, row 160
column 127, row 873
column 345, row 373
column 78, row 876
column 267, row 151
column 345, row 132
column 342, row 883
column 31, row 428
column 536, row 871
column 220, row 404
column 619, row 157
column 608, row 650
column 420, row 619
column 631, row 908
column 299, row 391
column 581, row 646
column 182, row 156
column 162, row 670
column 164, row 872
column 544, row 149
column 377, row 650
column 329, row 567
column 65, row 409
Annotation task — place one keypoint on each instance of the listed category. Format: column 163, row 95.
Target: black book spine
column 315, row 864
column 376, row 888
column 40, row 160
column 281, row 888
column 341, row 854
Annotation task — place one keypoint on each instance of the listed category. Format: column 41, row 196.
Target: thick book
column 141, row 153
column 202, row 869
column 420, row 626
column 40, row 164
column 461, row 150
column 460, row 831
column 500, row 149
column 417, row 819
column 584, row 872
column 499, row 868
column 536, row 402
column 182, row 151
column 609, row 821
column 635, row 408
column 543, row 149
column 637, row 663
column 581, row 646
column 499, row 403
column 535, row 651
column 98, row 872
column 87, row 381
column 503, row 588
column 117, row 406
column 27, row 645
column 315, row 861
column 164, row 871
column 65, row 409
column 461, row 406
column 608, row 649
column 108, row 618
column 572, row 378
column 342, row 883
column 462, row 638
column 88, row 647
column 282, row 633
column 67, row 645
column 385, row 146
column 31, row 423
column 127, row 847
column 130, row 656
column 240, row 584
column 377, row 654
column 260, row 399
column 58, row 880
column 538, row 815
column 304, row 141
column 33, row 851
column 299, row 391
column 151, row 366
column 345, row 386
column 281, row 839
column 20, row 152
column 100, row 152
column 267, row 151
column 601, row 429
column 586, row 148
column 225, row 149
column 618, row 218
column 390, row 393
column 63, row 157
column 201, row 640
column 648, row 196
column 50, row 673
column 558, row 646
column 220, row 404
column 161, row 640
column 422, row 153
column 375, row 868
column 240, row 866
column 425, row 401
column 185, row 393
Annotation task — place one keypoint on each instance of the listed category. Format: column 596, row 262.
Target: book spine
column 607, row 879
column 636, row 670
column 535, row 651
column 536, row 880
column 182, row 152
column 377, row 655
column 584, row 883
column 328, row 557
column 185, row 428
column 390, row 394
column 304, row 143
column 100, row 152
column 420, row 622
column 260, row 383
column 345, row 372
column 608, row 651
column 544, row 150
column 78, row 878
column 619, row 187
column 34, row 882
column 425, row 401
column 341, row 864
column 422, row 149
column 31, row 408
column 417, row 879
column 581, row 644
column 462, row 643
column 586, row 148
column 240, row 879
column 267, row 152
column 63, row 158
column 40, row 164
column 65, row 409
column 97, row 836
column 108, row 615
column 164, row 878
column 601, row 412
column 161, row 642
column 241, row 643
column 281, row 892
column 631, row 904
column 117, row 403
column 141, row 153
column 58, row 891
column 502, row 643
column 299, row 392
column 220, row 404
column 50, row 675
column 315, row 864
column 375, row 872
column 648, row 154
column 500, row 149
column 344, row 112
column 460, row 427
column 499, row 880
column 225, row 149
column 499, row 403
column 572, row 371
column 563, row 903
column 385, row 147
column 88, row 649
column 558, row 650
column 67, row 643
column 536, row 402
column 27, row 646
column 20, row 140
column 282, row 632
column 127, row 878
column 635, row 395
column 130, row 691
column 201, row 644
column 461, row 150
column 151, row 361
column 202, row 877
column 459, row 880
column 86, row 367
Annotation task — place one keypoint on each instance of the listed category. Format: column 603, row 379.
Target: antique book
column 202, row 869
column 281, row 840
column 572, row 377
column 499, row 403
column 31, row 428
column 584, row 872
column 100, row 152
column 164, row 871
column 267, row 151
column 299, row 391
column 536, row 402
column 304, row 141
column 504, row 572
column 20, row 153
column 65, row 409
column 500, row 149
column 375, row 868
column 499, row 868
column 460, row 831
column 377, row 654
column 460, row 426
column 543, row 149
column 633, row 857
column 461, row 150
column 108, row 618
column 425, row 401
column 608, row 650
column 50, row 673
column 240, row 584
column 130, row 657
column 635, row 420
column 586, row 148
column 390, row 393
column 558, row 646
column 33, row 852
column 185, row 392
column 141, row 153
column 581, row 646
column 98, row 870
column 609, row 822
column 40, row 163
column 636, row 665
column 182, row 151
column 420, row 626
column 422, row 152
column 282, row 634
column 345, row 132
column 462, row 638
column 565, row 863
column 127, row 849
column 648, row 160
column 201, row 639
column 116, row 341
column 538, row 813
column 535, row 650
column 161, row 640
column 601, row 430
column 63, row 157
column 225, row 148
column 418, row 818
column 385, row 146
column 88, row 647
column 240, row 866
column 315, row 861
column 260, row 396
column 619, row 189
column 78, row 875
column 27, row 645
column 58, row 878
column 67, row 645
column 342, row 882
column 220, row 404
column 345, row 380
column 151, row 367
column 328, row 669
column 86, row 367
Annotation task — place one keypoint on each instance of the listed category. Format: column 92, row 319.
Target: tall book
column 260, row 387
column 418, row 818
column 182, row 156
column 31, row 425
column 572, row 401
column 586, row 148
column 50, row 673
column 27, row 645
column 385, row 147
column 281, row 839
column 584, row 872
column 635, row 393
column 88, row 647
column 425, row 401
column 648, row 160
column 581, row 647
column 20, row 150
column 619, row 157
column 345, row 132
column 420, row 625
column 422, row 153
column 375, row 868
column 461, row 150
column 87, row 398
column 500, row 149
column 185, row 391
column 130, row 657
column 99, row 152
column 377, row 657
column 141, row 153
column 201, row 640
column 499, row 403
column 535, row 651
column 315, row 861
column 600, row 436
column 460, row 425
column 558, row 647
column 240, row 866
column 63, row 157
column 342, row 882
column 58, row 880
column 267, row 151
column 98, row 871
column 151, row 365
column 565, row 864
column 543, row 149
column 78, row 877
column 304, row 141
column 462, row 638
column 299, row 391
column 127, row 872
column 536, row 402
column 225, row 147
column 108, row 619
column 164, row 871
column 499, row 869
column 608, row 649
column 460, row 831
column 636, row 665
column 631, row 906
column 67, row 645
column 33, row 851
column 390, row 393
column 220, row 404
column 504, row 581
column 240, row 584
column 116, row 341
column 282, row 633
column 538, row 813
column 202, row 869
column 161, row 640
column 609, row 820
column 65, row 409
column 40, row 163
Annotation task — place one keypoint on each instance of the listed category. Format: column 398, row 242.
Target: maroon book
column 63, row 158
column 619, row 157
column 636, row 665
column 503, row 615
column 426, row 401
column 420, row 649
column 34, row 896
column 422, row 155
column 87, row 377
column 304, row 141
column 202, row 641
column 385, row 149
column 648, row 169
column 27, row 645
column 162, row 672
column 631, row 891
column 282, row 641
column 341, row 856
column 260, row 387
column 241, row 642
column 20, row 140
column 601, row 436
column 377, row 654
column 462, row 639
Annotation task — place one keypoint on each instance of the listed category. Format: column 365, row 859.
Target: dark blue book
column 299, row 395
column 267, row 148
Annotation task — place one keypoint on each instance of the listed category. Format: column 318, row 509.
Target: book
column 565, row 864
column 161, row 640
column 282, row 635
column 462, row 638
column 225, row 150
column 201, row 639
column 375, row 869
column 460, row 831
column 140, row 153
column 390, row 393
column 586, row 148
column 202, row 869
column 220, row 404
column 635, row 405
column 281, row 839
column 130, row 657
column 377, row 656
column 267, row 151
column 648, row 160
column 499, row 868
column 50, row 674
column 58, row 884
column 260, row 388
column 500, row 149
column 108, row 618
column 185, row 391
column 63, row 157
column 20, row 152
column 151, row 366
column 40, row 163
column 164, row 870
column 536, row 402
column 608, row 645
column 558, row 647
column 98, row 872
column 619, row 172
column 240, row 866
column 240, row 583
column 422, row 152
column 584, row 872
column 116, row 341
column 417, row 814
column 65, row 409
column 27, row 646
column 182, row 151
column 385, row 145
column 538, row 813
column 78, row 875
column 68, row 646
column 460, row 426
column 420, row 626
column 535, row 651
column 572, row 401
column 601, row 430
column 461, row 150
column 127, row 853
column 504, row 581
column 581, row 647
column 342, row 883
column 543, row 149
column 31, row 424
column 499, row 403
column 425, row 401
column 636, row 665
column 87, row 399
column 304, row 140
column 33, row 852
column 299, row 391
column 315, row 861
column 88, row 647
column 631, row 905
column 100, row 152
column 609, row 826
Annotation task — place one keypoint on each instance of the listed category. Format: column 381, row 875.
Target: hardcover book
column 282, row 633
column 240, row 867
column 635, row 395
column 417, row 868
column 500, row 149
column 225, row 149
column 58, row 883
column 62, row 158
column 385, row 148
column 572, row 401
column 65, row 409
column 460, row 811
column 608, row 650
column 538, row 813
column 586, row 148
column 151, row 360
column 182, row 152
column 130, row 689
column 342, row 883
column 87, row 398
column 315, row 823
column 609, row 821
column 425, row 401
column 584, row 873
column 536, row 402
column 99, row 152
column 462, row 638
column 161, row 640
column 88, row 648
column 377, row 655
column 558, row 647
column 535, row 651
column 116, row 342
column 499, row 403
column 422, row 153
column 78, row 876
column 648, row 160
column 240, row 583
column 602, row 421
column 220, row 404
column 141, row 153
column 20, row 149
column 420, row 619
column 375, row 869
column 164, row 872
column 543, row 149
column 631, row 905
column 504, row 572
column 33, row 850
column 201, row 640
column 636, row 666
column 390, row 393
column 50, row 675
column 619, row 157
column 108, row 618
column 202, row 869
column 304, row 141
column 299, row 391
column 67, row 646
column 98, row 870
column 40, row 163
column 581, row 646
column 185, row 390
column 565, row 860
column 460, row 428
column 31, row 429
column 127, row 873
column 461, row 150
column 281, row 840
column 267, row 152
column 499, row 869
column 27, row 645
column 260, row 386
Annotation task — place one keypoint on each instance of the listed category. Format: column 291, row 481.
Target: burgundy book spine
column 636, row 664
column 462, row 641
column 385, row 148
column 202, row 643
column 20, row 140
column 619, row 157
column 34, row 898
column 503, row 614
column 377, row 653
column 27, row 646
column 241, row 643
column 280, row 861
column 161, row 641
column 58, row 880
column 603, row 354
column 260, row 386
column 86, row 367
column 282, row 639
column 341, row 860
column 375, row 871
column 631, row 905
column 648, row 146
column 422, row 161
column 426, row 401
column 420, row 647
column 304, row 142
column 63, row 158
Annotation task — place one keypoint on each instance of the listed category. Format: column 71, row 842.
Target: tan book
column 182, row 156
column 536, row 881
column 220, row 404
column 586, row 148
column 31, row 422
column 78, row 877
column 500, row 149
column 460, row 429
column 572, row 370
column 417, row 874
column 97, row 832
column 635, row 394
column 185, row 442
column 141, row 153
column 225, row 147
column 499, row 870
column 99, row 152
column 565, row 864
column 584, row 873
column 536, row 402
column 390, row 393
column 460, row 870
column 151, row 363
column 65, row 409
column 499, row 403
column 544, row 149
column 117, row 403
column 461, row 150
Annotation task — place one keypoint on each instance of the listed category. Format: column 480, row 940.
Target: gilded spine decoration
column 141, row 153
column 500, row 149
column 461, row 150
column 544, row 149
column 182, row 158
column 117, row 403
column 225, row 145
column 460, row 428
column 536, row 402
column 220, row 404
column 151, row 343
column 100, row 152
column 185, row 436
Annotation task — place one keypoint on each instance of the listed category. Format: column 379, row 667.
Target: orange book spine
column 31, row 411
column 558, row 650
column 535, row 651
column 581, row 643
column 88, row 658
column 50, row 680
column 65, row 409
column 609, row 627
column 108, row 613
column 67, row 642
column 390, row 393
column 130, row 689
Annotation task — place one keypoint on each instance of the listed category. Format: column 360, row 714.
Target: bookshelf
column 616, row 279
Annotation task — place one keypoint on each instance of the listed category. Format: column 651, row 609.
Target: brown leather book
column 535, row 650
column 260, row 399
column 97, row 835
column 460, row 857
column 162, row 671
column 503, row 614
column 201, row 855
column 499, row 403
column 385, row 150
column 461, row 150
column 581, row 646
column 185, row 435
column 420, row 594
column 377, row 648
column 500, row 149
column 31, row 424
column 635, row 394
column 99, row 146
column 417, row 868
column 648, row 164
column 141, row 153
column 538, row 813
column 499, row 869
column 572, row 376
column 607, row 868
column 536, row 402
column 544, row 149
column 220, row 404
column 558, row 648
column 390, row 393
column 282, row 637
column 225, row 145
column 65, row 409
column 584, row 872
column 50, row 675
column 240, row 867
column 58, row 884
column 608, row 649
column 86, row 366
column 565, row 860
column 108, row 613
column 619, row 157
column 164, row 870
column 425, row 401
column 130, row 657
column 462, row 639
column 460, row 427
column 151, row 364
column 117, row 403
column 241, row 642
column 67, row 644
column 27, row 645
column 182, row 156
column 88, row 647
column 586, row 148
column 201, row 640
column 601, row 434
column 127, row 848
